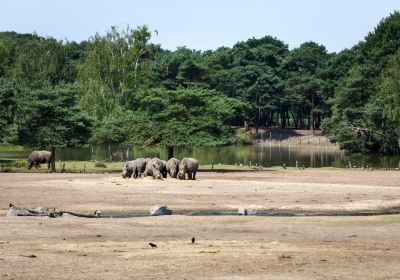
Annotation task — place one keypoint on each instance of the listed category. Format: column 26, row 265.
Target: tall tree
column 304, row 85
column 50, row 117
column 116, row 70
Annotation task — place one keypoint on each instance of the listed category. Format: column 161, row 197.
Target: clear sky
column 202, row 24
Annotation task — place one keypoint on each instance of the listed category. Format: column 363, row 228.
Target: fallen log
column 55, row 214
column 19, row 211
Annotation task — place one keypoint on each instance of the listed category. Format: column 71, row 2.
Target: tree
column 50, row 117
column 304, row 85
column 193, row 116
column 41, row 62
column 358, row 122
column 8, row 104
column 116, row 70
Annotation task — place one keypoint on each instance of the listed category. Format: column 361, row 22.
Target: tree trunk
column 295, row 121
column 109, row 153
column 283, row 118
column 170, row 152
column 245, row 124
column 258, row 113
column 53, row 159
column 311, row 123
column 128, row 153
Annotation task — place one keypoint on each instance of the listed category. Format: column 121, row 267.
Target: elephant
column 173, row 167
column 189, row 166
column 129, row 169
column 154, row 168
column 37, row 157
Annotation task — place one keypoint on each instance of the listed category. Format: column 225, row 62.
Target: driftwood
column 52, row 213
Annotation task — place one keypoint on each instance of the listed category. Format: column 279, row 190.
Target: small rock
column 249, row 211
column 160, row 210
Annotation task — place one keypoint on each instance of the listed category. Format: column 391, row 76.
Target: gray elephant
column 173, row 167
column 189, row 166
column 154, row 168
column 38, row 157
column 128, row 170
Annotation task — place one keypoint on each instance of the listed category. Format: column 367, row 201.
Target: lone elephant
column 188, row 166
column 38, row 157
column 173, row 167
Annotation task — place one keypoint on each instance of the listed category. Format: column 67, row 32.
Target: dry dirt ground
column 227, row 247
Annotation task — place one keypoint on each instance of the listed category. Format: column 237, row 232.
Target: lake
column 262, row 154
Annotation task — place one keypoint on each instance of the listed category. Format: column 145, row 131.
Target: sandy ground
column 227, row 247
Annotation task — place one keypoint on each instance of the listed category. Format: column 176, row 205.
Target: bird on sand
column 153, row 245
column 193, row 240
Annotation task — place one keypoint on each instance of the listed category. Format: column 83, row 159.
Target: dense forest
column 120, row 88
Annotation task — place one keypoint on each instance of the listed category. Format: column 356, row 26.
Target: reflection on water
column 262, row 154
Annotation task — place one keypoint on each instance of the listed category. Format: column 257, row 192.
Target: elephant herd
column 158, row 169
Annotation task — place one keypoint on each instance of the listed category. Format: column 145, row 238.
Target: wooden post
column 53, row 159
column 84, row 168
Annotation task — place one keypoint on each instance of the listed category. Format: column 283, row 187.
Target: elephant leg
column 194, row 175
column 189, row 175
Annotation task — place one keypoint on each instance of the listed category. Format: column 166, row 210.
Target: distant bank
column 287, row 136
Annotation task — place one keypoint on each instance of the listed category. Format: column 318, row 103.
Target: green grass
column 70, row 166
column 226, row 167
column 12, row 165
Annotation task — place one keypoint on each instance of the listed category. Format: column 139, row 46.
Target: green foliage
column 100, row 165
column 358, row 121
column 244, row 138
column 8, row 105
column 51, row 117
column 41, row 62
column 116, row 70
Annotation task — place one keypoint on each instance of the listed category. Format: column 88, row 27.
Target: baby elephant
column 189, row 166
column 38, row 157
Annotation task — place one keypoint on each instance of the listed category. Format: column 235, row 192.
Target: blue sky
column 204, row 24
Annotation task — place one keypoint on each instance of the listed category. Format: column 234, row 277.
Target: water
column 260, row 213
column 261, row 154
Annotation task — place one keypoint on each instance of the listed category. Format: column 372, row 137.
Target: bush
column 244, row 138
column 100, row 165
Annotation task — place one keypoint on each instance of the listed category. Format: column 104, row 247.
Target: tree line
column 119, row 88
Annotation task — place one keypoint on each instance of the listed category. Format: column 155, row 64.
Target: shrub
column 100, row 165
column 244, row 138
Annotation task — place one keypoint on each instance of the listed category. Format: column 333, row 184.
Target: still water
column 261, row 154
